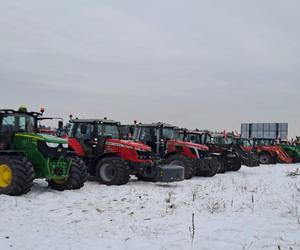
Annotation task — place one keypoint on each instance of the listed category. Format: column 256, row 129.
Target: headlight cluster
column 143, row 155
column 55, row 145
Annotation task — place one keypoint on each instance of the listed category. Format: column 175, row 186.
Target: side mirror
column 83, row 129
column 60, row 125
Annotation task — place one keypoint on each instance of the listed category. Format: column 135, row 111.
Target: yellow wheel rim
column 6, row 176
column 59, row 181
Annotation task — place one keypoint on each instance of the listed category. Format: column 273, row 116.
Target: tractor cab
column 12, row 122
column 88, row 136
column 154, row 135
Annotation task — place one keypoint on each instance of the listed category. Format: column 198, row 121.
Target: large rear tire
column 265, row 158
column 112, row 171
column 76, row 179
column 181, row 160
column 16, row 175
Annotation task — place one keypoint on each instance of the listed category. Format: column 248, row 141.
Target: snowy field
column 255, row 208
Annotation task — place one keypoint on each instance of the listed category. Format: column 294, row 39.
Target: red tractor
column 269, row 152
column 227, row 155
column 112, row 160
column 162, row 139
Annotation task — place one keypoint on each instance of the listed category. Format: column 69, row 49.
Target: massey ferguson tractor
column 269, row 152
column 226, row 153
column 112, row 160
column 26, row 154
column 161, row 138
column 231, row 143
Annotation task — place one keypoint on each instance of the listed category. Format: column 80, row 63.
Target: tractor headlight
column 65, row 145
column 52, row 144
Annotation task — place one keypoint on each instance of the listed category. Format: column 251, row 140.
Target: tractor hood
column 43, row 137
column 129, row 144
column 190, row 145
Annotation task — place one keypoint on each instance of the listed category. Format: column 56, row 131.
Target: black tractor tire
column 235, row 165
column 211, row 167
column 21, row 172
column 265, row 159
column 221, row 166
column 112, row 171
column 77, row 176
column 184, row 161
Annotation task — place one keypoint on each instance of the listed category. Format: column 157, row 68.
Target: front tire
column 181, row 160
column 76, row 179
column 209, row 166
column 265, row 158
column 16, row 175
column 235, row 165
column 112, row 171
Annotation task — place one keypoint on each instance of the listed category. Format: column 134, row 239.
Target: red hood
column 134, row 145
column 189, row 144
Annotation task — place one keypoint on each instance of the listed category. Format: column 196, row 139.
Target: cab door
column 84, row 133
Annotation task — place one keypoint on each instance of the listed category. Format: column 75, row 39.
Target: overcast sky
column 206, row 64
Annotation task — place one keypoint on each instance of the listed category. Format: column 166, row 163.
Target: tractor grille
column 53, row 153
column 143, row 155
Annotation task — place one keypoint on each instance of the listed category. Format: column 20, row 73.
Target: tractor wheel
column 112, row 171
column 221, row 165
column 265, row 158
column 235, row 165
column 76, row 179
column 16, row 175
column 181, row 160
column 210, row 166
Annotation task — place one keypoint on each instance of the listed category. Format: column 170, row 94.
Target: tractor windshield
column 11, row 123
column 109, row 130
column 221, row 140
column 245, row 142
column 194, row 138
column 168, row 133
column 264, row 142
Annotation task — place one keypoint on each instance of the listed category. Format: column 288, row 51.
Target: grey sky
column 206, row 64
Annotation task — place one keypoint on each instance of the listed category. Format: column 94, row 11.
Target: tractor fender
column 105, row 155
column 267, row 152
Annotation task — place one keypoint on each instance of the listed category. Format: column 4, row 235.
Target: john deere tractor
column 292, row 150
column 26, row 155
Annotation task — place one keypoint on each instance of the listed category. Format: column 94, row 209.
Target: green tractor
column 26, row 154
column 291, row 150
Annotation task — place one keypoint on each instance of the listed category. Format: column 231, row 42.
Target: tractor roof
column 257, row 139
column 156, row 124
column 11, row 111
column 93, row 121
column 187, row 131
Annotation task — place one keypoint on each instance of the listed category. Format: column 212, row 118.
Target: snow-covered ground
column 255, row 208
